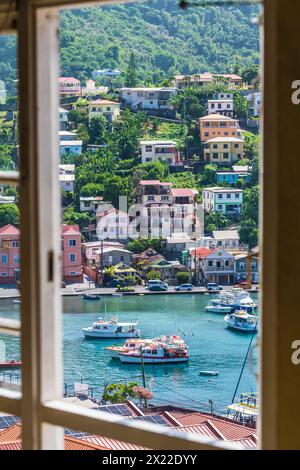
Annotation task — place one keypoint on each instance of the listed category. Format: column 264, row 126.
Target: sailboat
column 88, row 295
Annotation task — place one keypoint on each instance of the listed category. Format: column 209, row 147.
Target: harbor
column 211, row 346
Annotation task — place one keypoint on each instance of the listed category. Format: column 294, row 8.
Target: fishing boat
column 10, row 365
column 213, row 307
column 242, row 321
column 129, row 345
column 16, row 301
column 87, row 296
column 156, row 353
column 111, row 329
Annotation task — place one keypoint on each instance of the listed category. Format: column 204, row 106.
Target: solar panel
column 78, row 434
column 156, row 419
column 122, row 410
column 7, row 421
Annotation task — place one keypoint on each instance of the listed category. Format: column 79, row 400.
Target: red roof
column 201, row 252
column 182, row 192
column 68, row 80
column 9, row 230
column 70, row 229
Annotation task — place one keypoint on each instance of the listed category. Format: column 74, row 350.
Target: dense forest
column 164, row 39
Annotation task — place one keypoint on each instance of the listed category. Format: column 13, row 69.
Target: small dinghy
column 91, row 296
column 209, row 373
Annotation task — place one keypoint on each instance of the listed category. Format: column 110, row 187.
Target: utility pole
column 143, row 373
column 185, row 137
column 101, row 263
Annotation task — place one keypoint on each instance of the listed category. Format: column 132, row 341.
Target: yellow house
column 223, row 150
column 109, row 109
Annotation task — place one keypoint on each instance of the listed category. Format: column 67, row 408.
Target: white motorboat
column 111, row 329
column 237, row 298
column 156, row 353
column 242, row 321
column 213, row 307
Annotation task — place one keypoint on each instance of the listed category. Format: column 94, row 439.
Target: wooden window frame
column 43, row 412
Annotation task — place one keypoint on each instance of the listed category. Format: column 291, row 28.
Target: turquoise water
column 211, row 347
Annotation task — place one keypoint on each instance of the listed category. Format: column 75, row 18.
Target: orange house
column 216, row 125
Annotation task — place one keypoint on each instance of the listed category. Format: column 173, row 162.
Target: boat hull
column 109, row 335
column 242, row 328
column 152, row 360
column 219, row 309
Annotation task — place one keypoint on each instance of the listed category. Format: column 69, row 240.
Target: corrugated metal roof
column 112, row 444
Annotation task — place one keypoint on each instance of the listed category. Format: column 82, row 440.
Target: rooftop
column 216, row 117
column 225, row 234
column 154, row 183
column 215, row 140
column 158, row 142
column 183, row 192
column 71, row 143
column 223, row 190
column 104, row 102
column 68, row 80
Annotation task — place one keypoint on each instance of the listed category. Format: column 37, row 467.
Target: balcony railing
column 225, row 269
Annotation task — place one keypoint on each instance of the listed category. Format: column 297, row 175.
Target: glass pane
column 159, row 131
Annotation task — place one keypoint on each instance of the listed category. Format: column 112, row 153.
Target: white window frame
column 43, row 412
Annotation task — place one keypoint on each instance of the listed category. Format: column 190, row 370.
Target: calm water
column 211, row 346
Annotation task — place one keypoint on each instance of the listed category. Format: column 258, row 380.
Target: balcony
column 220, row 269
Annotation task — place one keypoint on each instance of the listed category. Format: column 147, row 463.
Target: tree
column 153, row 275
column 141, row 244
column 208, row 176
column 131, row 78
column 119, row 393
column 9, row 214
column 182, row 277
column 153, row 171
column 251, row 204
column 216, row 219
column 71, row 217
column 240, row 105
column 249, row 232
column 249, row 74
column 98, row 131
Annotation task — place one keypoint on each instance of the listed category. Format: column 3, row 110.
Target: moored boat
column 217, row 308
column 111, row 329
column 242, row 321
column 129, row 345
column 87, row 296
column 10, row 365
column 156, row 354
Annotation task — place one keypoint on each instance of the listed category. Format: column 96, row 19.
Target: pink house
column 9, row 254
column 71, row 253
column 69, row 86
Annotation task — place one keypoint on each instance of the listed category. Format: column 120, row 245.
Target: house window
column 17, row 259
column 148, row 148
column 4, row 274
column 4, row 259
column 72, row 257
column 228, row 196
column 225, row 155
column 72, row 242
column 237, row 196
column 220, row 196
column 15, row 244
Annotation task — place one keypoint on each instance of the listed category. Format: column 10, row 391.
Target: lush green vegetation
column 164, row 39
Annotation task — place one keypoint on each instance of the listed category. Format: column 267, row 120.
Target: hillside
column 165, row 40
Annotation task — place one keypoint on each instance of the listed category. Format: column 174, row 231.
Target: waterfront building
column 90, row 249
column 106, row 108
column 223, row 151
column 177, row 243
column 143, row 98
column 71, row 253
column 112, row 256
column 241, row 268
column 69, row 86
column 219, row 267
column 165, row 150
column 9, row 254
column 228, row 201
column 216, row 125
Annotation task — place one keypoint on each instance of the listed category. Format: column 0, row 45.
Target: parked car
column 157, row 285
column 116, row 283
column 184, row 287
column 213, row 286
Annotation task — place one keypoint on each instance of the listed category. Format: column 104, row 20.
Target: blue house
column 69, row 143
column 241, row 268
column 230, row 178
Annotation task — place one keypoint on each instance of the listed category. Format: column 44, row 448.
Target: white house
column 90, row 203
column 112, row 224
column 222, row 103
column 154, row 150
column 228, row 201
column 148, row 98
column 106, row 108
column 219, row 266
column 2, row 92
column 67, row 177
column 254, row 104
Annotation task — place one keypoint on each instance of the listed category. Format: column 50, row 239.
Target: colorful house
column 222, row 103
column 148, row 98
column 216, row 125
column 154, row 150
column 230, row 178
column 219, row 267
column 186, row 81
column 106, row 108
column 228, row 201
column 69, row 86
column 9, row 254
column 241, row 268
column 67, row 177
column 69, row 143
column 223, row 150
column 63, row 119
column 71, row 253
